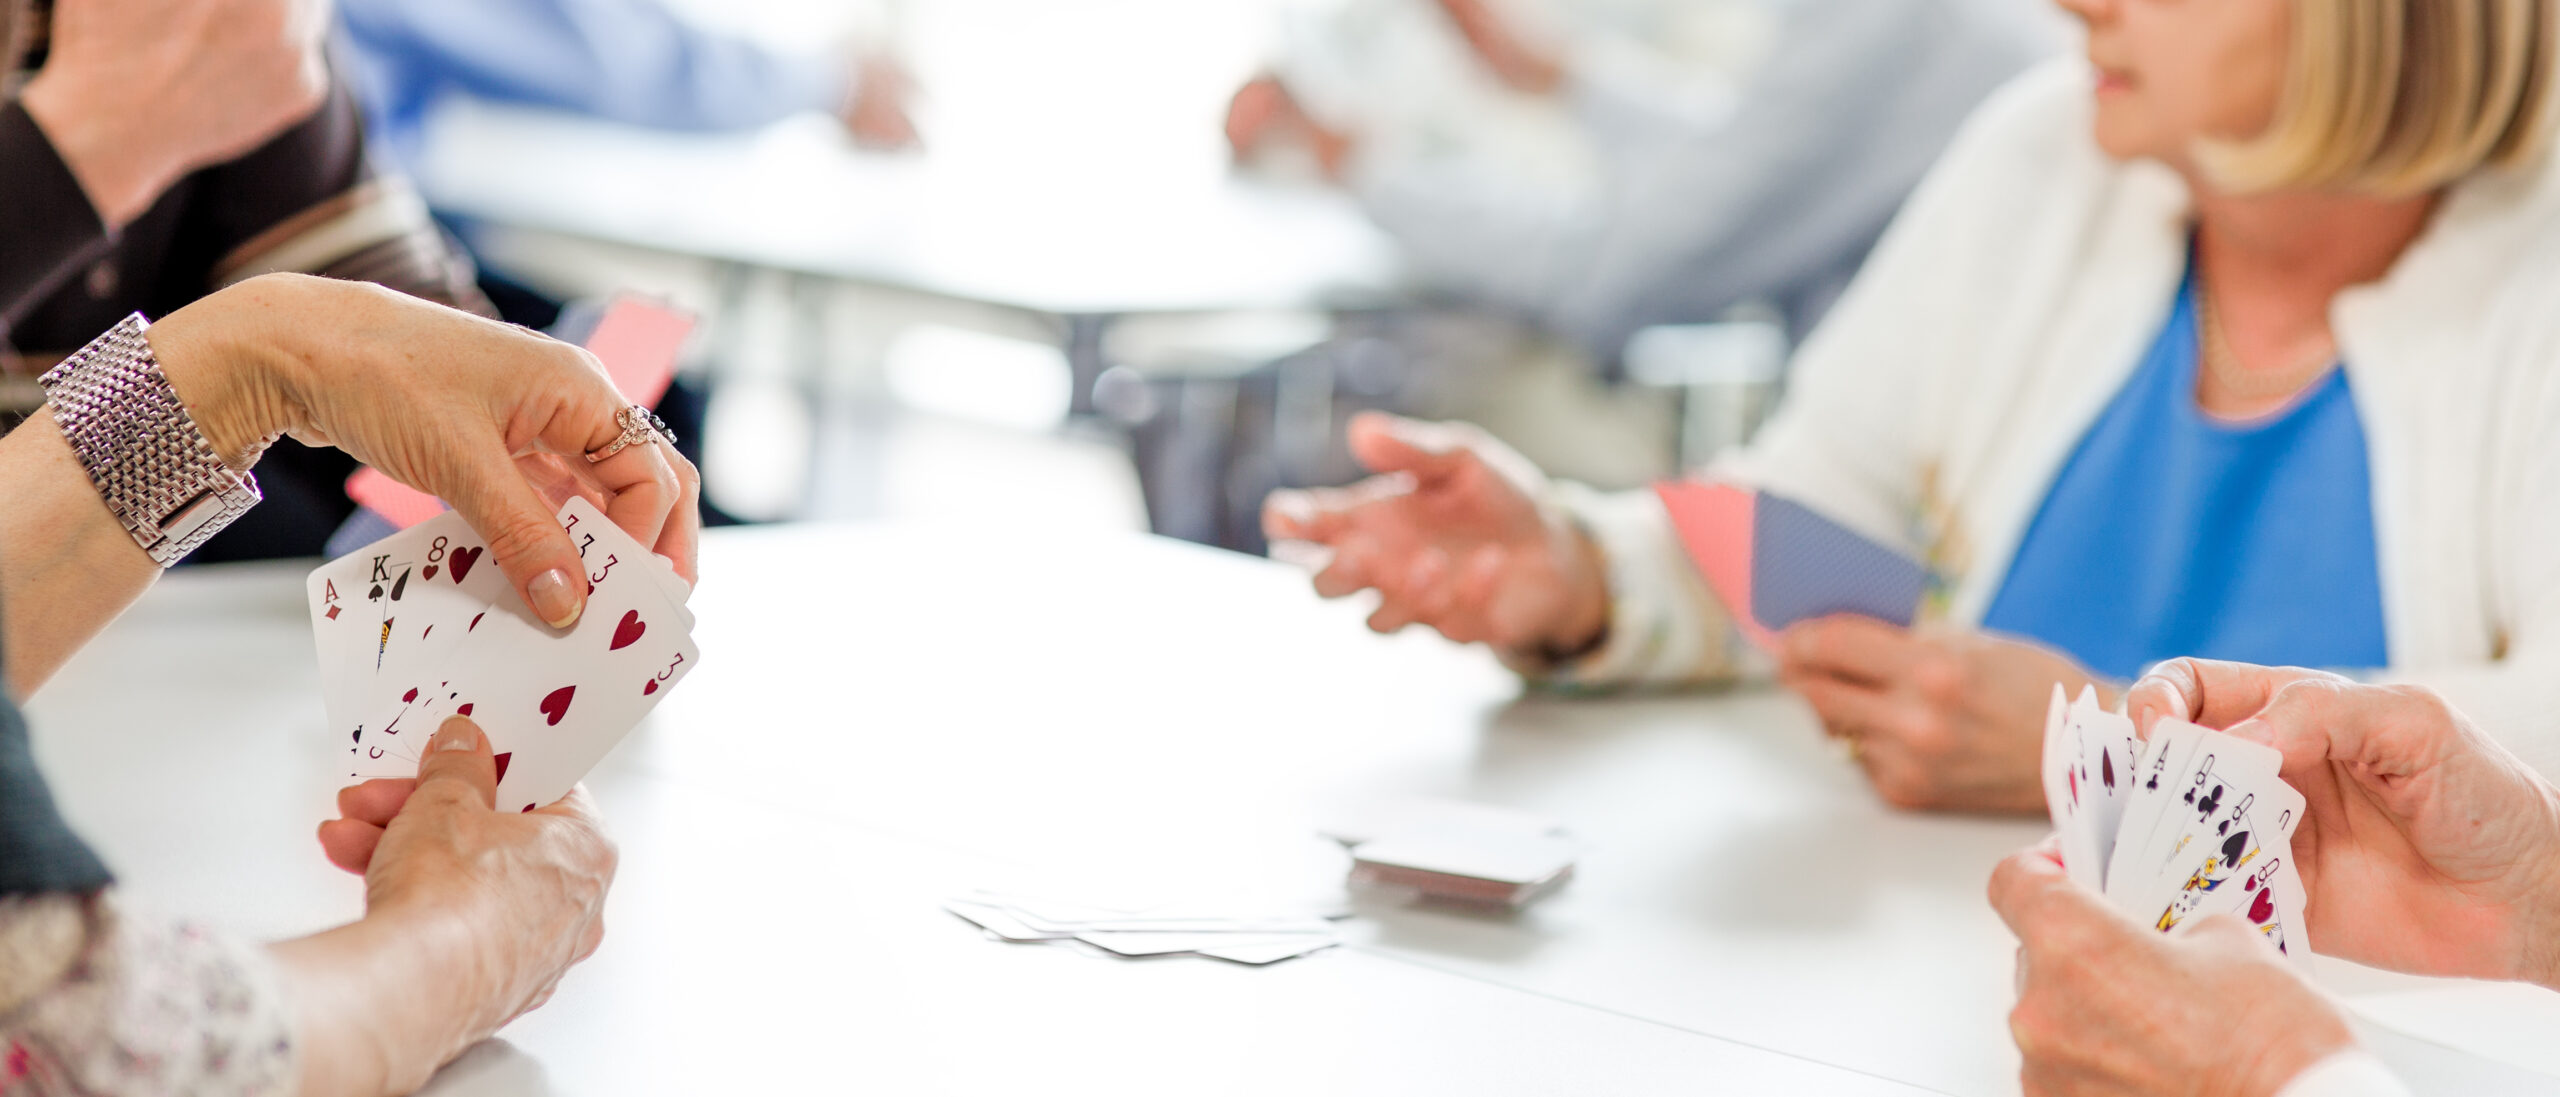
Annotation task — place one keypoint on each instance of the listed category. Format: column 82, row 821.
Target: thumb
column 1430, row 452
column 2037, row 898
column 2163, row 694
column 2228, row 934
column 524, row 539
column 458, row 757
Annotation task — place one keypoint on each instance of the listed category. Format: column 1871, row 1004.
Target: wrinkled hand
column 1454, row 536
column 1514, row 61
column 1939, row 719
column 518, row 897
column 136, row 93
column 2426, row 846
column 1264, row 115
column 876, row 108
column 491, row 418
column 2106, row 1006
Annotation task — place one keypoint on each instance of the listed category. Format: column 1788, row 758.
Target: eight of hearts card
column 2192, row 824
column 422, row 625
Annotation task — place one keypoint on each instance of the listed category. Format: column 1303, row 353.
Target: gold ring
column 638, row 425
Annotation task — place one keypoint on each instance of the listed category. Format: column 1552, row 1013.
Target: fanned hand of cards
column 422, row 625
column 1775, row 562
column 2194, row 824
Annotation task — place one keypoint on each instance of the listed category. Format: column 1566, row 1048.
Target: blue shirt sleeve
column 625, row 60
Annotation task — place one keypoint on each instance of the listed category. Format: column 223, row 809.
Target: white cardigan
column 2010, row 302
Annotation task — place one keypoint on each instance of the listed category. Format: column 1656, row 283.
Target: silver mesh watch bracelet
column 154, row 468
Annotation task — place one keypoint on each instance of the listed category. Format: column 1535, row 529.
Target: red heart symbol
column 648, row 687
column 475, row 620
column 628, row 632
column 462, row 561
column 2265, row 907
column 411, row 697
column 429, row 571
column 556, row 705
column 502, row 764
column 465, row 710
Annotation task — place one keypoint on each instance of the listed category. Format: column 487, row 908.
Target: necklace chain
column 2238, row 381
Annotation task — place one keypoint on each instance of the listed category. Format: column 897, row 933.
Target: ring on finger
column 638, row 425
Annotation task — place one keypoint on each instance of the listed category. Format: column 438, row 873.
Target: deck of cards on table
column 422, row 625
column 2193, row 824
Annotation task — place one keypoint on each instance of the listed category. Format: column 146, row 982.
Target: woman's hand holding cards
column 494, row 419
column 2109, row 1006
column 1940, row 719
column 2426, row 847
column 475, row 913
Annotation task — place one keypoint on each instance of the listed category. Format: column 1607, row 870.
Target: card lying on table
column 1775, row 562
column 1218, row 930
column 1451, row 852
column 2193, row 824
column 422, row 625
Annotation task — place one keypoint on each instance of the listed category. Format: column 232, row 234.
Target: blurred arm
column 629, row 61
column 2515, row 693
column 1692, row 216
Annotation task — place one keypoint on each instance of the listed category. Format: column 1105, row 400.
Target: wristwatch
column 152, row 465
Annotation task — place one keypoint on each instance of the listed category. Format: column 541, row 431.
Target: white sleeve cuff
column 1665, row 627
column 2350, row 1073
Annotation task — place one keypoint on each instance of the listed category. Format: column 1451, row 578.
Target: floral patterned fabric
column 95, row 1002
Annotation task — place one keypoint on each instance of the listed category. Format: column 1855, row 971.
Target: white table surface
column 1074, row 165
column 887, row 716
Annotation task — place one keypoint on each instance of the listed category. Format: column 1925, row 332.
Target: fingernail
column 553, row 599
column 457, row 733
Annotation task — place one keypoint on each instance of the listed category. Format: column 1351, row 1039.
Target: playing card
column 2155, row 786
column 2089, row 760
column 1163, row 944
column 2222, row 776
column 1805, row 566
column 440, row 583
column 639, row 340
column 1774, row 562
column 1714, row 524
column 2233, row 809
column 2272, row 899
column 1216, row 929
column 1271, row 953
column 376, row 610
column 554, row 702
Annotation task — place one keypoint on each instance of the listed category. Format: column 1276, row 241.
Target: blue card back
column 1806, row 566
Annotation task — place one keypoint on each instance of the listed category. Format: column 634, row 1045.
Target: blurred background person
column 2225, row 341
column 1559, row 177
column 2425, row 847
column 632, row 61
column 152, row 151
column 636, row 62
column 1597, row 168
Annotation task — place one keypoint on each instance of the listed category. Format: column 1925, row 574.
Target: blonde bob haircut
column 2400, row 97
